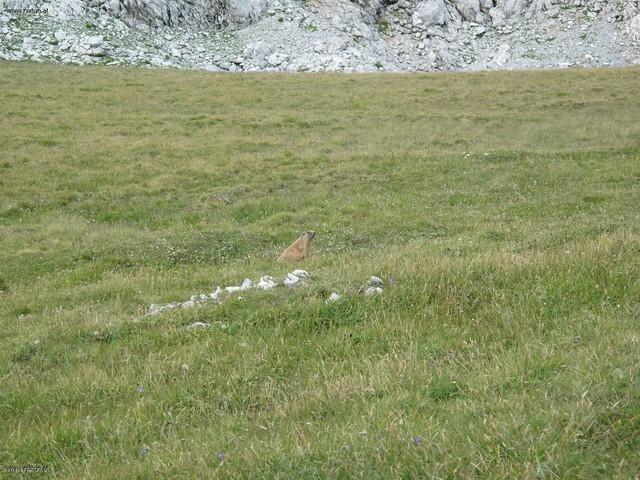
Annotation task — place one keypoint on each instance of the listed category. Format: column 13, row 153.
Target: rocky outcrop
column 191, row 13
column 200, row 13
column 321, row 35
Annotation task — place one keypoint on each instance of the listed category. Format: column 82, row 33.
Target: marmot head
column 309, row 234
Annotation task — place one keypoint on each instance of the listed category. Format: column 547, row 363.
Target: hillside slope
column 320, row 35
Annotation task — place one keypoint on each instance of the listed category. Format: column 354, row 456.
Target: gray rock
column 478, row 31
column 372, row 7
column 276, row 59
column 94, row 46
column 632, row 28
column 114, row 6
column 429, row 13
column 68, row 9
column 486, row 4
column 259, row 51
column 497, row 16
column 499, row 57
column 469, row 9
column 60, row 35
column 512, row 7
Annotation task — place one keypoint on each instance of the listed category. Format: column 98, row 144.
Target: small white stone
column 188, row 304
column 95, row 41
column 216, row 294
column 301, row 273
column 266, row 282
column 291, row 280
column 60, row 35
column 375, row 281
column 334, row 297
column 197, row 325
column 373, row 291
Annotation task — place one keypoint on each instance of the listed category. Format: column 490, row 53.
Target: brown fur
column 299, row 249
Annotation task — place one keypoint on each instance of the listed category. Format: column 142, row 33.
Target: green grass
column 503, row 205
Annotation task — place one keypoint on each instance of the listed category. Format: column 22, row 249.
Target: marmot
column 299, row 249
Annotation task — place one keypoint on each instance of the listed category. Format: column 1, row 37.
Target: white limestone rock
column 497, row 16
column 155, row 309
column 197, row 325
column 291, row 280
column 632, row 28
column 334, row 297
column 373, row 291
column 469, row 9
column 94, row 41
column 246, row 285
column 430, row 13
column 266, row 283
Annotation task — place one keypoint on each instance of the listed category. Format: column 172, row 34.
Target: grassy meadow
column 501, row 209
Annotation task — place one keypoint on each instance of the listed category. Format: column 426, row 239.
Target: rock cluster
column 266, row 282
